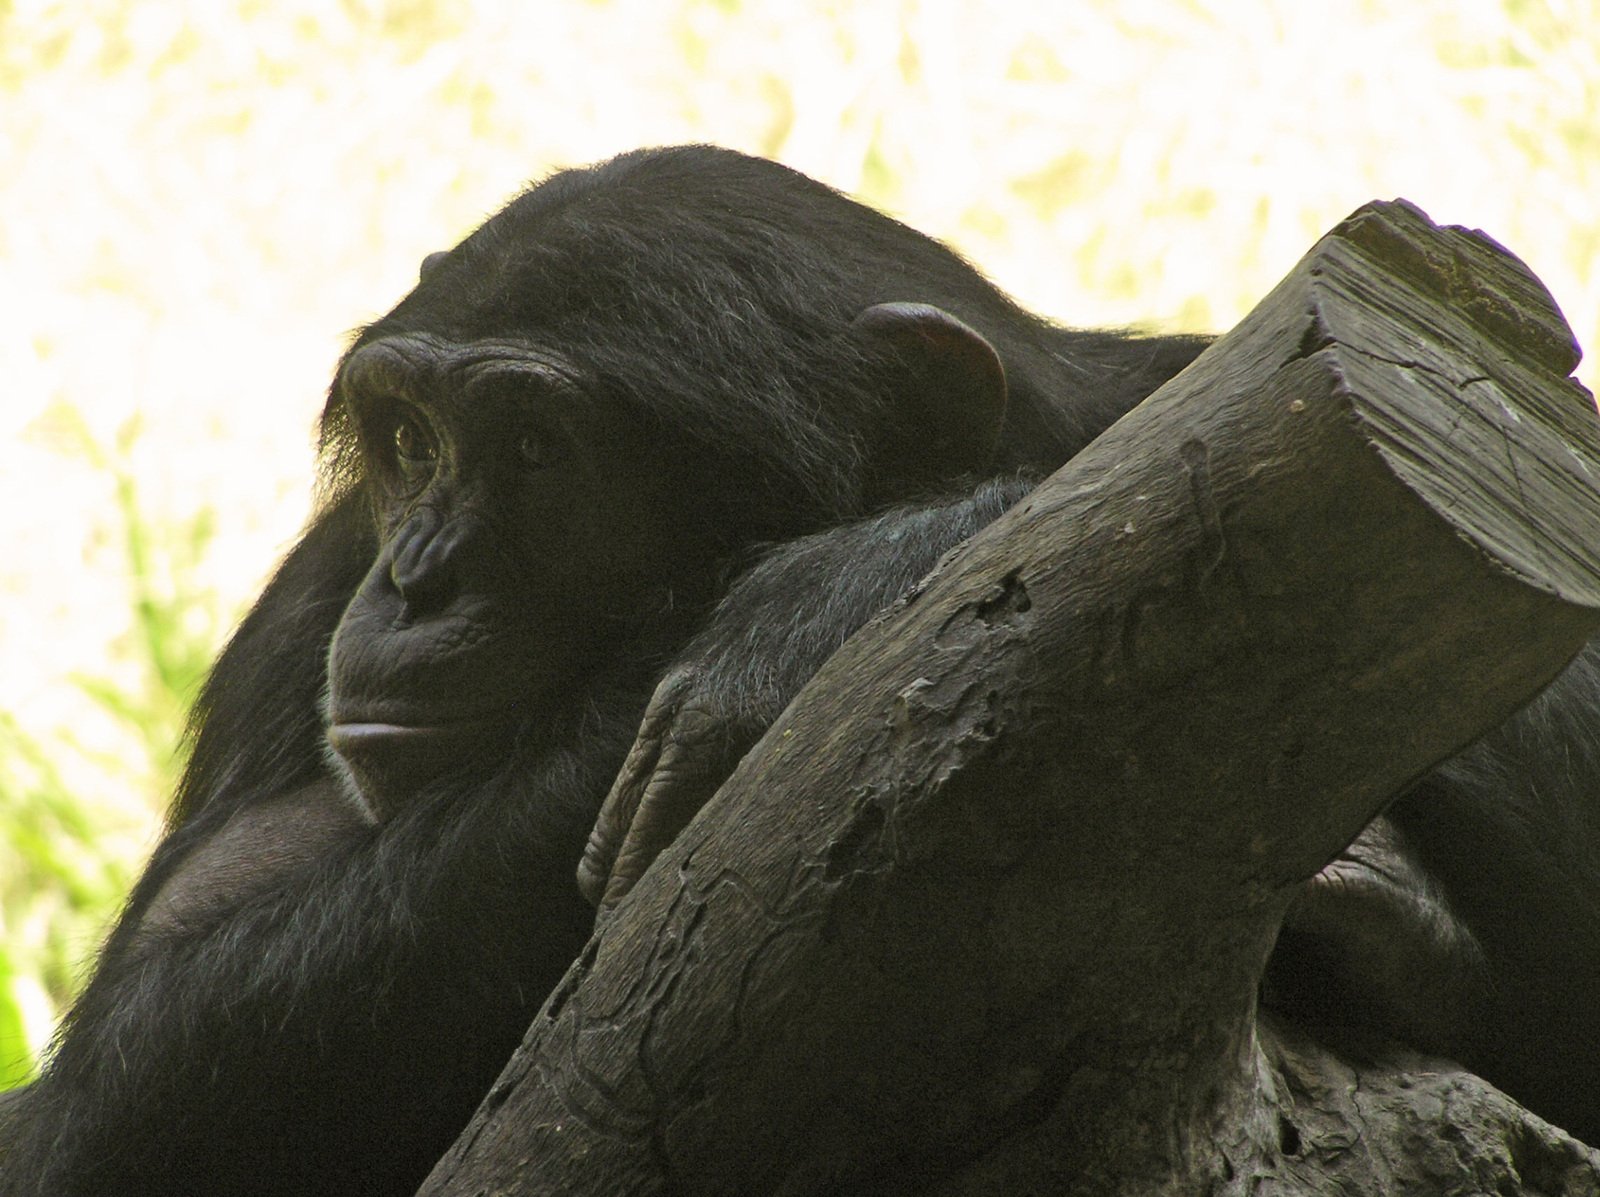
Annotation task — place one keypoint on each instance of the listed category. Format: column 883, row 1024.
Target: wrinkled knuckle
column 694, row 723
column 678, row 681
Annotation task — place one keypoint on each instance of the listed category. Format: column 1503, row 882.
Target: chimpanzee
column 555, row 475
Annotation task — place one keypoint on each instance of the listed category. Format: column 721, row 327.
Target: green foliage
column 171, row 649
column 16, row 1063
column 61, row 886
column 66, row 862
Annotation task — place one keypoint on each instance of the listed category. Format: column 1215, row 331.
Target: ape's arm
column 773, row 631
column 331, row 1035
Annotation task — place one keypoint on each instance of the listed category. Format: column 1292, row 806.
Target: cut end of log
column 1479, row 416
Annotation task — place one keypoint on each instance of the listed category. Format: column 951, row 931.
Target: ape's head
column 585, row 416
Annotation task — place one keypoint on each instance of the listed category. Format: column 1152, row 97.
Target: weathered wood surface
column 987, row 908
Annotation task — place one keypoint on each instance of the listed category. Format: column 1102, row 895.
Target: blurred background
column 199, row 199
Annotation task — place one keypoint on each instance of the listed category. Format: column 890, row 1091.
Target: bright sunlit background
column 200, row 198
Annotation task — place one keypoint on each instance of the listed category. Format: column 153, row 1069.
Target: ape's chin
column 390, row 762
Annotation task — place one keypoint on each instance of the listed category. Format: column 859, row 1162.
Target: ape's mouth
column 391, row 759
column 356, row 737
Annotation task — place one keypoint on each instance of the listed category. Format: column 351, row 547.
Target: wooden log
column 990, row 902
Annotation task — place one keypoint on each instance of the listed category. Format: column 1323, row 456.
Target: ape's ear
column 947, row 396
column 431, row 263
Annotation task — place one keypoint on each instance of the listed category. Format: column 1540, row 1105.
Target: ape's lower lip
column 414, row 749
column 358, row 736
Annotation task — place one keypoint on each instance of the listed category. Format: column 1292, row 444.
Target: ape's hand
column 689, row 742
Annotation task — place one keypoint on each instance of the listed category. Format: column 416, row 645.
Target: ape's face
column 526, row 527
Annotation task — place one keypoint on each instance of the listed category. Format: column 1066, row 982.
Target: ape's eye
column 533, row 450
column 412, row 443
